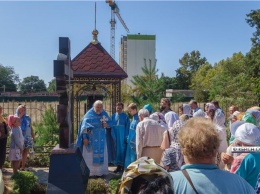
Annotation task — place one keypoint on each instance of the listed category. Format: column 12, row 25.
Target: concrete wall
column 140, row 49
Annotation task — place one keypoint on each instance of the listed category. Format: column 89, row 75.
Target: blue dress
column 120, row 130
column 131, row 142
column 250, row 168
column 111, row 147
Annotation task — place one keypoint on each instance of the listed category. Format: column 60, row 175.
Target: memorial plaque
column 68, row 172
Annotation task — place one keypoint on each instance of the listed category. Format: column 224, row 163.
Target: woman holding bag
column 27, row 130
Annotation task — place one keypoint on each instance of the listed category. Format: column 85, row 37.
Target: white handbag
column 31, row 152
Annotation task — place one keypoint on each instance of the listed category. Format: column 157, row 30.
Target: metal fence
column 33, row 108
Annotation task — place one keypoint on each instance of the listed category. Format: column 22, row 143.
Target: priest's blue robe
column 95, row 153
column 111, row 147
column 131, row 142
column 120, row 130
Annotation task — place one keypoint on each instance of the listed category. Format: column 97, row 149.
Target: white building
column 135, row 51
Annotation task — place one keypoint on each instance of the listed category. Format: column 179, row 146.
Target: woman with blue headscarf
column 27, row 130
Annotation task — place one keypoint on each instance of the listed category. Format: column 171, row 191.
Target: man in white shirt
column 149, row 135
column 196, row 111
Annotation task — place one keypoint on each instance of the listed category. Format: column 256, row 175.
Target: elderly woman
column 210, row 111
column 246, row 165
column 159, row 117
column 185, row 109
column 246, row 135
column 145, row 176
column 199, row 142
column 92, row 139
column 27, row 130
column 172, row 158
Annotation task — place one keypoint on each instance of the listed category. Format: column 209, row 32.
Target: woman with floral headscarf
column 27, row 130
column 145, row 176
column 172, row 159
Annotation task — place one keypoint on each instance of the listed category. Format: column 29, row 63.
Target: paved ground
column 43, row 173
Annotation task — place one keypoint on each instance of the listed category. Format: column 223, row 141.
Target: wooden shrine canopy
column 96, row 73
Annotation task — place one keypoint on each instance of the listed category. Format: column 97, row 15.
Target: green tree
column 126, row 93
column 8, row 79
column 253, row 19
column 168, row 82
column 52, row 86
column 253, row 56
column 147, row 87
column 32, row 84
column 201, row 82
column 229, row 79
column 47, row 131
column 190, row 63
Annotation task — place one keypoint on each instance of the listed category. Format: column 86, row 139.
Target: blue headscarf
column 149, row 108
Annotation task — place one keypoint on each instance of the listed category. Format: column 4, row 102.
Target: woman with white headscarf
column 218, row 121
column 159, row 117
column 185, row 109
column 247, row 165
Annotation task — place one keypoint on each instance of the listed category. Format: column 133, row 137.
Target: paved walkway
column 43, row 173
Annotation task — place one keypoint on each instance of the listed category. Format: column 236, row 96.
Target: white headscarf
column 186, row 109
column 248, row 133
column 170, row 118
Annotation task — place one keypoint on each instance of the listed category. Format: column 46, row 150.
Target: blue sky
column 29, row 31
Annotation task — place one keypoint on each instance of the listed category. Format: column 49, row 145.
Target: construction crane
column 114, row 11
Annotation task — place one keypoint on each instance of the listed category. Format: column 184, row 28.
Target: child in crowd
column 17, row 142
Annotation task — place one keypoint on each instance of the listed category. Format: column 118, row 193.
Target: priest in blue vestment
column 92, row 139
column 120, row 130
column 131, row 142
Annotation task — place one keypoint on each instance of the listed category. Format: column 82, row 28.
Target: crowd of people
column 189, row 152
column 157, row 151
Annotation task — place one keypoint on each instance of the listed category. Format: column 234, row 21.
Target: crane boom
column 114, row 11
column 122, row 21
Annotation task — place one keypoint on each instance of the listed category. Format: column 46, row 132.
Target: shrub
column 47, row 131
column 113, row 184
column 39, row 189
column 24, row 181
column 97, row 186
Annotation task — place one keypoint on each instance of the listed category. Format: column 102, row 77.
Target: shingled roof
column 95, row 61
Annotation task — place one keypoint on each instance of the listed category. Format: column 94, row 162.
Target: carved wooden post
column 61, row 73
